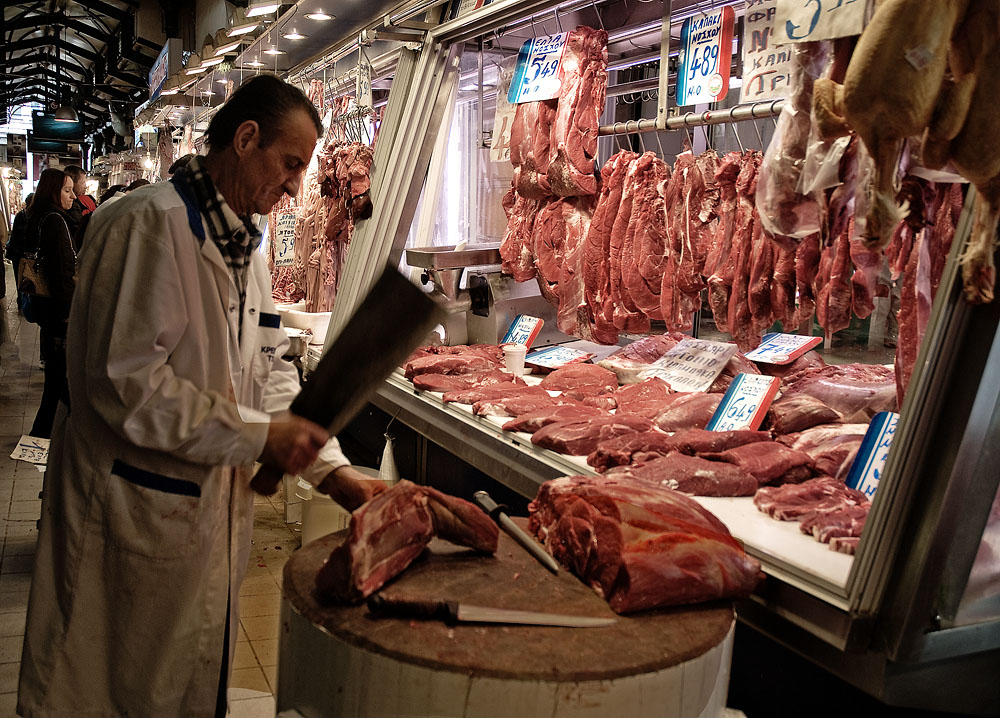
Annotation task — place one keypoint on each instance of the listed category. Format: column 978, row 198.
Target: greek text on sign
column 692, row 365
column 537, row 76
column 778, row 348
column 745, row 403
column 767, row 66
column 523, row 330
column 866, row 471
column 284, row 240
column 363, row 86
column 812, row 20
column 31, row 449
column 503, row 119
column 706, row 54
column 556, row 356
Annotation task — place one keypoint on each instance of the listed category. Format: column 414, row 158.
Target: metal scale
column 482, row 310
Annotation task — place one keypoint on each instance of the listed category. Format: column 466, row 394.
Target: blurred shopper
column 17, row 243
column 83, row 203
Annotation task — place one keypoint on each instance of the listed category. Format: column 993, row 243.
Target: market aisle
column 255, row 666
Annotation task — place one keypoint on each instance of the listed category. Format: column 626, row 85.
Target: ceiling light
column 172, row 91
column 212, row 61
column 207, row 92
column 222, row 81
column 194, row 70
column 66, row 113
column 228, row 47
column 273, row 51
column 237, row 30
column 293, row 35
column 319, row 15
column 255, row 63
column 255, row 9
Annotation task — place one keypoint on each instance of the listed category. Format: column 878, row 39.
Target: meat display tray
column 450, row 258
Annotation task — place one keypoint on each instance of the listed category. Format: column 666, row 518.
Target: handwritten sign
column 536, row 75
column 556, row 356
column 503, row 118
column 778, row 348
column 363, row 86
column 866, row 471
column 523, row 330
column 32, row 450
column 745, row 403
column 766, row 64
column 284, row 239
column 692, row 365
column 706, row 54
column 812, row 20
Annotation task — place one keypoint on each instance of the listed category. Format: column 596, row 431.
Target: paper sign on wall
column 363, row 86
column 284, row 240
column 706, row 55
column 766, row 64
column 745, row 403
column 866, row 471
column 523, row 330
column 536, row 75
column 692, row 365
column 31, row 449
column 556, row 356
column 503, row 119
column 778, row 348
column 812, row 20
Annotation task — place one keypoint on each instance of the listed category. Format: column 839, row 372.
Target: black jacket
column 55, row 243
column 18, row 243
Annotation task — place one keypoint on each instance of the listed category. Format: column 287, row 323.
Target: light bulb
column 293, row 35
column 319, row 15
column 273, row 51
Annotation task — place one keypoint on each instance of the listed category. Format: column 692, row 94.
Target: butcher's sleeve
column 136, row 312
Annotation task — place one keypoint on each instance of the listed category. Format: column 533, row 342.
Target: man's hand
column 349, row 487
column 292, row 443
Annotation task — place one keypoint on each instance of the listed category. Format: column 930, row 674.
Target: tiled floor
column 256, row 664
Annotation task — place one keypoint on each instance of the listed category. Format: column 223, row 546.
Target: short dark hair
column 50, row 184
column 137, row 184
column 74, row 171
column 180, row 162
column 111, row 192
column 266, row 100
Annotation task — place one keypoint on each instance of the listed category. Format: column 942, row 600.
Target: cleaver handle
column 265, row 482
column 446, row 611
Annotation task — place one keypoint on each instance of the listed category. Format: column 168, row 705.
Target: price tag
column 767, row 66
column 692, row 364
column 812, row 20
column 523, row 330
column 284, row 240
column 866, row 471
column 503, row 119
column 556, row 356
column 706, row 54
column 363, row 86
column 778, row 348
column 745, row 403
column 32, row 450
column 536, row 75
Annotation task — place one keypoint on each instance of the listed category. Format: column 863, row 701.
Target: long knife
column 498, row 512
column 391, row 322
column 453, row 611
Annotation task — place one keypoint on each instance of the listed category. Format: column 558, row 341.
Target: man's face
column 80, row 185
column 267, row 174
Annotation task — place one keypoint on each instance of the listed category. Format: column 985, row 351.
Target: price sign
column 536, row 75
column 866, row 471
column 706, row 54
column 812, row 20
column 523, row 330
column 745, row 403
column 778, row 348
column 363, row 86
column 692, row 365
column 557, row 356
column 284, row 240
column 767, row 66
column 503, row 119
column 32, row 450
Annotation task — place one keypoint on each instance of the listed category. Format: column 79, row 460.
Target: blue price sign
column 869, row 464
column 555, row 357
column 523, row 330
column 537, row 76
column 746, row 402
column 284, row 240
column 778, row 348
column 706, row 54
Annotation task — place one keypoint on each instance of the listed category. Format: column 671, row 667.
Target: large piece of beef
column 643, row 253
column 640, row 546
column 390, row 531
column 832, row 447
column 561, row 224
column 791, row 371
column 577, row 377
column 834, row 296
column 689, row 411
column 580, row 437
column 691, row 475
column 626, row 315
column 529, row 147
column 646, row 399
column 572, row 316
column 856, row 391
column 449, row 364
column 517, row 253
column 793, row 501
column 768, row 462
column 457, row 382
column 632, row 360
column 532, row 421
column 515, row 404
column 807, row 260
column 645, row 446
column 720, row 264
column 790, row 414
column 495, row 391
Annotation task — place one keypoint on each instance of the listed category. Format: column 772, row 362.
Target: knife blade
column 389, row 324
column 453, row 611
column 498, row 512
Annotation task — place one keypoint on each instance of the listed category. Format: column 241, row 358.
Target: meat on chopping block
column 691, row 475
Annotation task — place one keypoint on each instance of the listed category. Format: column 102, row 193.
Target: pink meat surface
column 689, row 411
column 574, row 376
column 532, row 421
column 792, row 501
column 638, row 448
column 646, row 399
column 799, row 412
column 632, row 360
column 691, row 475
column 856, row 391
column 496, row 391
column 768, row 462
column 456, row 382
column 580, row 437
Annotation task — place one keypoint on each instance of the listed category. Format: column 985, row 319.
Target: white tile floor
column 256, row 663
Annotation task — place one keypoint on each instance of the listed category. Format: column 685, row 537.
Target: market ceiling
column 84, row 51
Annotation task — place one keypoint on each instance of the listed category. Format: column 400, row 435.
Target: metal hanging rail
column 756, row 111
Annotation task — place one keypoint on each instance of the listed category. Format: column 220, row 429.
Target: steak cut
column 793, row 501
column 496, row 391
column 640, row 546
column 839, row 522
column 832, row 447
column 799, row 412
column 689, row 411
column 449, row 364
column 632, row 360
column 691, row 475
column 456, row 382
column 517, row 253
column 561, row 226
column 646, row 446
column 515, row 404
column 768, row 462
column 644, row 251
column 532, row 421
column 856, row 391
column 529, row 147
column 646, row 399
column 580, row 437
column 574, row 376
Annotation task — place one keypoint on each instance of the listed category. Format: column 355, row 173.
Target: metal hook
column 663, row 155
column 618, row 138
column 760, row 139
column 534, row 32
column 555, row 11
column 597, row 12
column 738, row 140
column 690, row 139
column 708, row 141
column 639, row 135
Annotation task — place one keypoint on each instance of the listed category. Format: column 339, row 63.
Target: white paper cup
column 513, row 355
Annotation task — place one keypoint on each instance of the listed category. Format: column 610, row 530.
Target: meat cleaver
column 391, row 322
column 454, row 612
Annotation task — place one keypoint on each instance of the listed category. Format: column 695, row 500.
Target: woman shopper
column 18, row 243
column 49, row 231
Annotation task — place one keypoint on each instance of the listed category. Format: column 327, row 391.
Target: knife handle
column 265, row 481
column 487, row 504
column 446, row 611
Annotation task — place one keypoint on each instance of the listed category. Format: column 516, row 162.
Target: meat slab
column 691, row 475
column 832, row 447
column 793, row 501
column 768, row 462
column 645, row 446
column 495, row 391
column 456, row 382
column 532, row 421
column 799, row 412
column 646, row 399
column 689, row 411
column 579, row 438
column 573, row 377
column 856, row 391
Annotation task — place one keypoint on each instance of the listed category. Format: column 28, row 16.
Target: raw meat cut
column 572, row 316
column 390, row 531
column 768, row 462
column 516, row 405
column 691, row 475
column 689, row 411
column 840, row 522
column 832, row 287
column 748, row 230
column 807, row 259
column 720, row 262
column 638, row 448
column 626, row 314
column 575, row 376
column 580, row 437
column 799, row 412
column 845, row 544
column 449, row 364
column 640, row 546
column 529, row 147
column 793, row 501
column 561, row 224
column 455, row 382
column 783, row 288
column 632, row 360
column 643, row 253
column 532, row 421
column 739, row 364
column 516, row 248
column 645, row 399
column 496, row 391
column 831, row 446
column 790, row 372
column 856, row 391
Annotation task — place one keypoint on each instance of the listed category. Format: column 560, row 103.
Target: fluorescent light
column 228, row 48
column 237, row 30
column 273, row 51
column 319, row 15
column 212, row 61
column 255, row 63
column 222, row 81
column 194, row 70
column 207, row 92
column 293, row 35
column 256, row 9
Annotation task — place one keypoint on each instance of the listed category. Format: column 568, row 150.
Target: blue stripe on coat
column 272, row 321
column 157, row 482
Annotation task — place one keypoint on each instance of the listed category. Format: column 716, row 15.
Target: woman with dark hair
column 49, row 232
column 18, row 243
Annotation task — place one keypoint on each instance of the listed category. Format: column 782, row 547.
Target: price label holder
column 557, row 356
column 692, row 365
column 31, row 449
column 745, row 403
column 523, row 330
column 537, row 75
column 866, row 471
column 503, row 119
column 778, row 348
column 767, row 65
column 705, row 57
column 284, row 239
column 813, row 20
column 363, row 84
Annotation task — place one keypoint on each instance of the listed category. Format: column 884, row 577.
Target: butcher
column 176, row 386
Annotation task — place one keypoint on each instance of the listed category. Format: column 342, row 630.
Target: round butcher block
column 337, row 660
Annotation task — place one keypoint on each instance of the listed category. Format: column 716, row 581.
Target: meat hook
column 597, row 12
column 738, row 140
column 663, row 155
column 708, row 141
column 760, row 139
column 642, row 145
column 555, row 11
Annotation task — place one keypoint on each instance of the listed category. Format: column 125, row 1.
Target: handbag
column 31, row 274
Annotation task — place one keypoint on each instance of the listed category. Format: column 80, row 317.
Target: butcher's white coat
column 129, row 594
